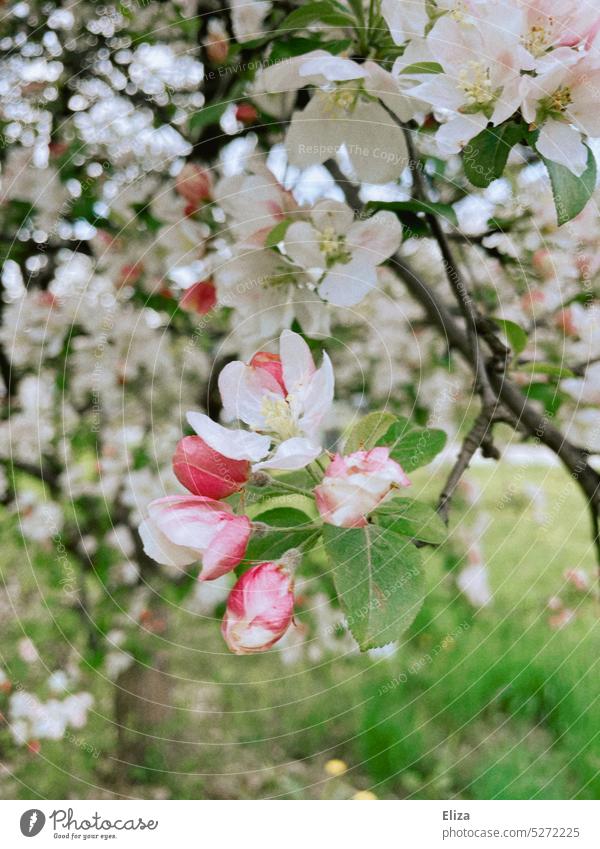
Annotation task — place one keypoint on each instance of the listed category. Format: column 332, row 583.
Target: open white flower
column 563, row 102
column 351, row 106
column 342, row 254
column 481, row 71
column 283, row 399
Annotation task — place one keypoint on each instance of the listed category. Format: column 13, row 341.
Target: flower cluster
column 283, row 400
column 482, row 61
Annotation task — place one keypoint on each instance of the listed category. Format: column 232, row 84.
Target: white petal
column 379, row 236
column 385, row 86
column 375, row 143
column 230, row 442
column 323, row 67
column 302, row 245
column 334, row 214
column 347, row 285
column 562, row 143
column 296, row 361
column 162, row 550
column 458, row 132
column 243, row 390
column 315, row 134
column 295, row 453
column 318, row 398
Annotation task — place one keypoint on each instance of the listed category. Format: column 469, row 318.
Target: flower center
column 333, row 246
column 560, row 100
column 538, row 40
column 342, row 98
column 474, row 80
column 278, row 417
column 459, row 11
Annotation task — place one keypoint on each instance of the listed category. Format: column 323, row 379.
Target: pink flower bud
column 204, row 471
column 355, row 485
column 200, row 298
column 246, row 113
column 260, row 608
column 194, row 184
column 270, row 363
column 181, row 529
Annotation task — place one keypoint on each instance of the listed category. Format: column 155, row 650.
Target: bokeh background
column 114, row 679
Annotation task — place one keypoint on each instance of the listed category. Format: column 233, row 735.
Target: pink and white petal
column 347, row 285
column 226, row 548
column 295, row 453
column 187, row 520
column 160, row 549
column 458, row 132
column 562, row 143
column 296, row 361
column 243, row 390
column 379, row 236
column 233, row 443
column 302, row 245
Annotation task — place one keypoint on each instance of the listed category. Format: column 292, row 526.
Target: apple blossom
column 340, row 253
column 557, row 23
column 204, row 471
column 481, row 56
column 353, row 486
column 562, row 101
column 260, row 609
column 282, row 399
column 345, row 108
column 254, row 203
column 182, row 529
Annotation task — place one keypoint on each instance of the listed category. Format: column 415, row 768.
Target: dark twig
column 478, row 437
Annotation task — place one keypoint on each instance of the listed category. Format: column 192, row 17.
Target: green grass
column 482, row 705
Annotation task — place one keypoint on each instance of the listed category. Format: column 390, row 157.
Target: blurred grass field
column 473, row 705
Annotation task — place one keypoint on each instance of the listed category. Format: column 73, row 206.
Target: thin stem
column 478, row 437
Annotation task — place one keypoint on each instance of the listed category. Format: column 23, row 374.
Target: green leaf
column 366, row 432
column 413, row 519
column 423, row 68
column 413, row 446
column 443, row 209
column 277, row 233
column 571, row 193
column 311, row 13
column 275, row 542
column 378, row 579
column 208, row 115
column 559, row 372
column 517, row 338
column 485, row 156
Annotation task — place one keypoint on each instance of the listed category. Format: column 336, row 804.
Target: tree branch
column 526, row 417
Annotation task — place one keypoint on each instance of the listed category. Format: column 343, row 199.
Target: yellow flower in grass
column 336, row 767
